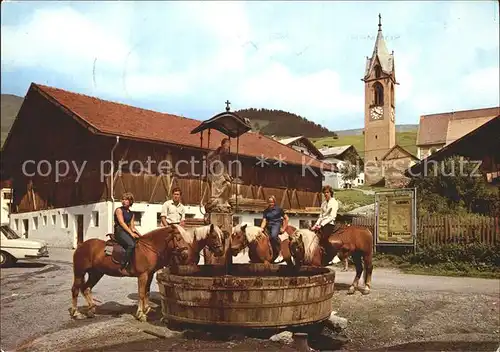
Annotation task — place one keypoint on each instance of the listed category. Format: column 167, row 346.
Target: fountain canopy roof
column 228, row 123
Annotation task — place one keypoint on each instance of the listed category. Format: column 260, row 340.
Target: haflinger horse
column 209, row 237
column 153, row 251
column 307, row 248
column 259, row 245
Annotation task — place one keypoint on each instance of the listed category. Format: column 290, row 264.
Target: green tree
column 348, row 171
column 453, row 185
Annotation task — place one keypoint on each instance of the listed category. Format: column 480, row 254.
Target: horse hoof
column 75, row 314
column 147, row 310
column 366, row 291
column 143, row 318
column 90, row 314
column 351, row 290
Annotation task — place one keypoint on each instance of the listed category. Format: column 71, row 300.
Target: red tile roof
column 127, row 121
column 433, row 129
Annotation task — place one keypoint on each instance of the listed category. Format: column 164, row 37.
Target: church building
column 385, row 161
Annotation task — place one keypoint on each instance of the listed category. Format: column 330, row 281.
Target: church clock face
column 376, row 113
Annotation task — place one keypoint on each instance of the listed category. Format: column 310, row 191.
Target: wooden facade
column 45, row 133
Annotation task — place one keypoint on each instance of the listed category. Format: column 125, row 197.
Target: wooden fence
column 441, row 229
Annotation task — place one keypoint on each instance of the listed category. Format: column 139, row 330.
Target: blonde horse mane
column 310, row 240
column 198, row 233
column 252, row 233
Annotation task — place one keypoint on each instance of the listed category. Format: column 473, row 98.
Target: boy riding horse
column 326, row 221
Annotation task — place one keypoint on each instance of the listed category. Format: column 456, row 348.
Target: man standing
column 173, row 211
column 329, row 207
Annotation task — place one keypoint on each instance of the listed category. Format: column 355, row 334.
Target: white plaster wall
column 333, row 180
column 294, row 220
column 48, row 225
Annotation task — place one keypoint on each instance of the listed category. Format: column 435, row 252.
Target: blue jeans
column 274, row 230
column 127, row 242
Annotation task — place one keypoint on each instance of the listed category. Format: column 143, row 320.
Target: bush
column 476, row 254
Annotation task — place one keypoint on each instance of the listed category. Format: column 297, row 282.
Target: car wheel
column 5, row 259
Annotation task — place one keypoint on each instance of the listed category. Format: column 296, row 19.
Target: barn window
column 25, row 226
column 378, row 71
column 304, row 224
column 35, row 222
column 137, row 218
column 16, row 224
column 65, row 221
column 257, row 221
column 236, row 220
column 378, row 94
column 54, row 219
column 95, row 218
column 45, row 220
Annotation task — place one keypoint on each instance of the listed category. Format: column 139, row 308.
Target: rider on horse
column 125, row 232
column 326, row 221
column 274, row 220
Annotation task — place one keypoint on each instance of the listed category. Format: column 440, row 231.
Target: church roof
column 380, row 54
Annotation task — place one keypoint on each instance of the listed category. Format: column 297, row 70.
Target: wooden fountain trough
column 251, row 296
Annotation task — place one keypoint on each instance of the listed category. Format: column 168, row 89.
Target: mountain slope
column 10, row 105
column 283, row 124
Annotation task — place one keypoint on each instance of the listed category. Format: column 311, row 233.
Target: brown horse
column 259, row 245
column 153, row 251
column 308, row 248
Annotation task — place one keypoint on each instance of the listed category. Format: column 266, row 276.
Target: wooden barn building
column 57, row 128
column 481, row 145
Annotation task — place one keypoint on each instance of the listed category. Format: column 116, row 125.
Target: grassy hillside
column 10, row 105
column 282, row 123
column 359, row 131
column 408, row 140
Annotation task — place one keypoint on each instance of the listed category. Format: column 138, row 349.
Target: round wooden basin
column 251, row 296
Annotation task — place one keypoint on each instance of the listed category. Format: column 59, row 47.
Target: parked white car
column 14, row 248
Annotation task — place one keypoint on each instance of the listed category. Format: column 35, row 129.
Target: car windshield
column 9, row 233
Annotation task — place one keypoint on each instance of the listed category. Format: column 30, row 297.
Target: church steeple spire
column 380, row 54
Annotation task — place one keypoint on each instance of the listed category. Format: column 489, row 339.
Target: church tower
column 380, row 125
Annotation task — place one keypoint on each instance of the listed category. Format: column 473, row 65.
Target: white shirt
column 328, row 212
column 174, row 214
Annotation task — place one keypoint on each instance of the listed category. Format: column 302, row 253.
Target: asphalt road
column 35, row 297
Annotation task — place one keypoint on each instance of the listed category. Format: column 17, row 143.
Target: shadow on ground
column 26, row 265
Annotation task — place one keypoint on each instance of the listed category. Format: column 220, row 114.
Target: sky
column 188, row 58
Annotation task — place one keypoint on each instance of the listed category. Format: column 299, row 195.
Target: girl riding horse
column 274, row 221
column 125, row 233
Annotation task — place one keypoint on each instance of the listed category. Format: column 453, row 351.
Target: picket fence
column 441, row 229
